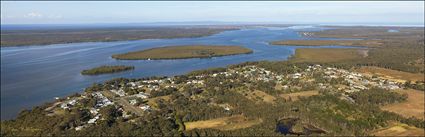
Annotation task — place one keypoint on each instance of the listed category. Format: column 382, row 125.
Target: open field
column 323, row 55
column 152, row 101
column 106, row 69
column 261, row 96
column 224, row 123
column 183, row 52
column 399, row 129
column 368, row 43
column 57, row 36
column 296, row 96
column 392, row 74
column 414, row 106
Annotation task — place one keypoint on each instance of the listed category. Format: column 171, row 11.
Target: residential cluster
column 137, row 102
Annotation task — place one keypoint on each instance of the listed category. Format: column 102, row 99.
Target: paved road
column 123, row 102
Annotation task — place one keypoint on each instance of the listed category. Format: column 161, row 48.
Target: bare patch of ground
column 258, row 95
column 296, row 96
column 152, row 101
column 224, row 123
column 395, row 75
column 413, row 107
column 399, row 129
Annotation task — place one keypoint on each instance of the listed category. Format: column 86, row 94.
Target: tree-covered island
column 183, row 52
column 106, row 69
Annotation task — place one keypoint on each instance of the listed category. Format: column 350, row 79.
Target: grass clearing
column 368, row 43
column 224, row 123
column 395, row 75
column 261, row 96
column 183, row 52
column 296, row 96
column 399, row 129
column 152, row 101
column 324, row 55
column 414, row 106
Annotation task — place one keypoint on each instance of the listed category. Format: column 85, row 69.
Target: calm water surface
column 33, row 75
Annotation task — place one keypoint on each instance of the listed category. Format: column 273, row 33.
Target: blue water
column 33, row 75
column 283, row 129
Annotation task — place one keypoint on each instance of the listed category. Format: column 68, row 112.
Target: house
column 145, row 107
column 64, row 106
column 94, row 111
column 133, row 84
column 68, row 104
column 142, row 95
column 119, row 92
column 133, row 102
column 296, row 75
column 79, row 128
column 93, row 120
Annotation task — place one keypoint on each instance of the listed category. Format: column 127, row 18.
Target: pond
column 294, row 126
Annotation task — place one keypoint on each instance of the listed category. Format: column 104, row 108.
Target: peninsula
column 183, row 52
column 75, row 35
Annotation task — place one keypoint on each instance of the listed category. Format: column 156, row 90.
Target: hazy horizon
column 97, row 12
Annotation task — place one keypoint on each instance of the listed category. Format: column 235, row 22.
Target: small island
column 183, row 52
column 106, row 69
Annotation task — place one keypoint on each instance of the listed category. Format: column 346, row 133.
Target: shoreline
column 98, row 36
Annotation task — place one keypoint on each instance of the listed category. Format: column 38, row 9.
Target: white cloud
column 55, row 16
column 34, row 15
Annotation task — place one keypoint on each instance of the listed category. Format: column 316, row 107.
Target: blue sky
column 75, row 12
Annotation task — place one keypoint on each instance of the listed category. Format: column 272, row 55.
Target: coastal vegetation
column 58, row 36
column 106, row 69
column 402, row 50
column 367, row 43
column 183, row 52
column 364, row 32
column 327, row 55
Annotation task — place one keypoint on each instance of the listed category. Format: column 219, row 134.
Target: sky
column 78, row 12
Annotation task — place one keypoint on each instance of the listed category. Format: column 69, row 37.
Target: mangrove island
column 106, row 69
column 183, row 52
